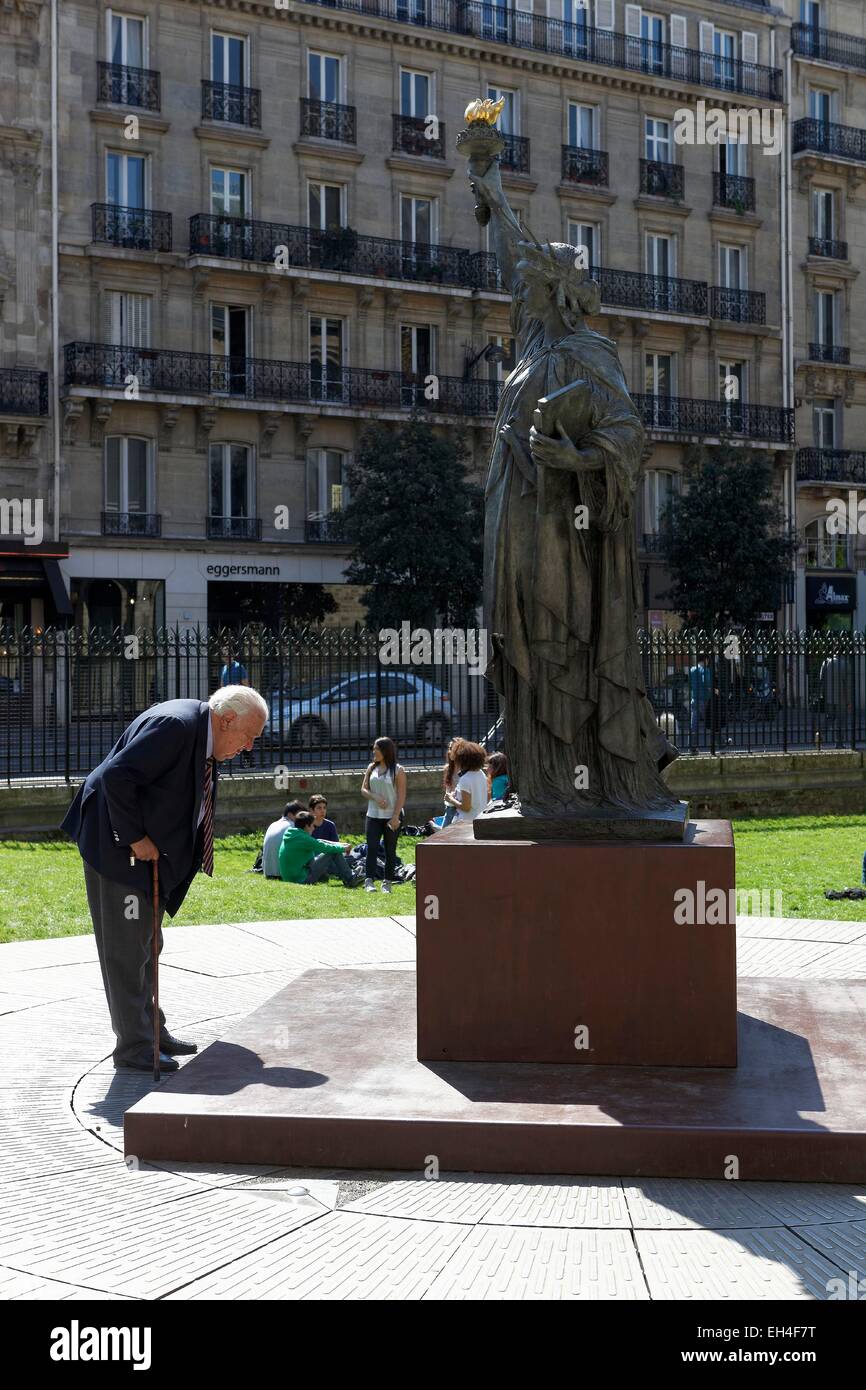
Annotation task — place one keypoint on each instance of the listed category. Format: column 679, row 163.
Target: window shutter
column 706, row 36
column 749, row 47
column 554, row 9
column 678, row 31
column 604, row 14
column 632, row 21
column 525, row 6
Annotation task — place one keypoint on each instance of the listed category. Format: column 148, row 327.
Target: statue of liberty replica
column 561, row 579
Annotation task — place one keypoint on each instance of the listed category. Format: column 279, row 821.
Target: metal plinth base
column 603, row 823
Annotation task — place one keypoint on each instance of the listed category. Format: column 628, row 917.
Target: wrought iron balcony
column 341, row 249
column 654, row 543
column 828, row 553
column 132, row 524
column 515, row 154
column 166, row 372
column 23, row 391
column 419, row 136
column 224, row 101
column 823, row 246
column 328, row 120
column 738, row 306
column 125, row 86
column 522, row 29
column 734, row 191
column 581, row 165
column 829, row 352
column 826, row 137
column 321, row 530
column 661, row 179
column 831, row 466
column 139, row 229
column 684, row 415
column 234, row 528
column 628, row 289
column 829, row 45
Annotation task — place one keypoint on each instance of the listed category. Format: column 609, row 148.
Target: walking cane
column 155, row 971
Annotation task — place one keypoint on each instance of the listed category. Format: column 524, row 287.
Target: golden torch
column 481, row 142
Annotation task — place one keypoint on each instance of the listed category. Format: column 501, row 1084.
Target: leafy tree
column 414, row 522
column 727, row 548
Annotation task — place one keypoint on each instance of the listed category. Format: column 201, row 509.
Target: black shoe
column 143, row 1061
column 175, row 1047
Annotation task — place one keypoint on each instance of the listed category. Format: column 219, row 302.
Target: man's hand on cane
column 144, row 849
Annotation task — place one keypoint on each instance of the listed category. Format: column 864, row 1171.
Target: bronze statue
column 561, row 579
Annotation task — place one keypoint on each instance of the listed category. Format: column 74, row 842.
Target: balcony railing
column 23, row 391
column 234, row 528
column 661, row 179
column 738, row 306
column 826, row 137
column 419, row 136
column 224, row 101
column 734, row 191
column 683, row 415
column 829, row 352
column 139, row 229
column 125, row 86
column 831, row 466
column 521, row 29
column 515, row 154
column 628, row 289
column 824, row 246
column 167, row 372
column 828, row 553
column 342, row 250
column 829, row 45
column 328, row 120
column 580, row 165
column 132, row 524
column 321, row 530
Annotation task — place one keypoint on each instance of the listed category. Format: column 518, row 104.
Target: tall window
column 825, row 317
column 659, row 384
column 586, row 236
column 732, row 267
column 416, row 220
column 652, row 32
column 659, row 488
column 127, row 468
column 230, row 348
column 417, row 347
column 499, row 370
column 229, row 59
column 582, row 125
column 228, row 192
column 660, row 255
column 508, row 118
column 824, row 422
column 326, row 203
column 231, row 481
column 725, row 57
column 657, row 142
column 732, row 393
column 126, row 180
column 325, row 77
column 416, row 93
column 732, row 158
column 327, row 343
column 822, row 104
column 824, row 213
column 327, row 489
column 127, row 40
column 129, row 319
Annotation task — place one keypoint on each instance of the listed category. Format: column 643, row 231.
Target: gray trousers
column 123, row 927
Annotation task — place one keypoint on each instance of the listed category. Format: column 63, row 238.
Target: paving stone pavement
column 78, row 1222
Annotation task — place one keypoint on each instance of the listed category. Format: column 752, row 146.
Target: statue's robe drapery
column 560, row 600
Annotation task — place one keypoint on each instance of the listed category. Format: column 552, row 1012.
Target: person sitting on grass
column 274, row 838
column 323, row 829
column 305, row 860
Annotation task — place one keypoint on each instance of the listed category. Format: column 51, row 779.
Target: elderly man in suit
column 153, row 798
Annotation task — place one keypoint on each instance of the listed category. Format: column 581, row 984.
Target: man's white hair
column 242, row 699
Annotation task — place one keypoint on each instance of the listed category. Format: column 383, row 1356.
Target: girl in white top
column 471, row 792
column 384, row 787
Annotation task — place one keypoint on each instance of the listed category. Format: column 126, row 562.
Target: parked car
column 359, row 707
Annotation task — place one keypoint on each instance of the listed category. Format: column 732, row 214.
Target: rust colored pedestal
column 570, row 952
column 325, row 1075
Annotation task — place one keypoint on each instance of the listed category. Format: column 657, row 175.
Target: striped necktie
column 207, row 821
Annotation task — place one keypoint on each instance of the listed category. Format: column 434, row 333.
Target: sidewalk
column 76, row 1222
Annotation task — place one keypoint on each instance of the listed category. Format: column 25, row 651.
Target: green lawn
column 42, row 890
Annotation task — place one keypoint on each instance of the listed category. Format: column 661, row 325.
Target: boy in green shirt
column 305, row 860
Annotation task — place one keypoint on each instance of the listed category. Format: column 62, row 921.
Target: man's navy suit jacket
column 149, row 784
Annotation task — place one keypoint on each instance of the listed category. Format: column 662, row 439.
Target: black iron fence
column 66, row 696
